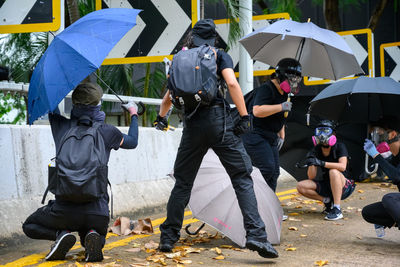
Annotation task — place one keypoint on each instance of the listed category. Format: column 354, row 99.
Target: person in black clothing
column 204, row 130
column 386, row 213
column 269, row 106
column 332, row 157
column 59, row 218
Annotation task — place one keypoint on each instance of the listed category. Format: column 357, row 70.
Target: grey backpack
column 192, row 78
column 81, row 171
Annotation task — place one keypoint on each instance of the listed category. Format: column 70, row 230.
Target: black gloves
column 243, row 126
column 314, row 161
column 161, row 123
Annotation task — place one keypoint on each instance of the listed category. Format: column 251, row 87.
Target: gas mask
column 291, row 83
column 380, row 138
column 324, row 136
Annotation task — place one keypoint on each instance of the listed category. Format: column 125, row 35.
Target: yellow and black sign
column 29, row 15
column 390, row 60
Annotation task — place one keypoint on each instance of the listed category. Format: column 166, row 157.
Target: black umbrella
column 360, row 100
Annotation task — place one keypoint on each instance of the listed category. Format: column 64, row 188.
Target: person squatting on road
column 211, row 126
column 385, row 213
column 332, row 157
column 270, row 104
column 59, row 218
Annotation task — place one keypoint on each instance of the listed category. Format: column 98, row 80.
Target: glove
column 370, row 148
column 243, row 126
column 130, row 107
column 315, row 162
column 280, row 143
column 287, row 106
column 161, row 123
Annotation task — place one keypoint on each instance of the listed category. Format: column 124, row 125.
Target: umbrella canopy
column 321, row 53
column 74, row 54
column 213, row 201
column 360, row 100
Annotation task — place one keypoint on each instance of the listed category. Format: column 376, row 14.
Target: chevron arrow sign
column 160, row 30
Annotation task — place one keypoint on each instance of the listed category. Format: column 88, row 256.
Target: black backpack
column 81, row 171
column 249, row 102
column 192, row 78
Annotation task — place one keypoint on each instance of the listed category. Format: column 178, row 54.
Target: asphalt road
column 306, row 240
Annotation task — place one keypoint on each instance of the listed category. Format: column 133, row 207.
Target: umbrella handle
column 195, row 232
column 287, row 112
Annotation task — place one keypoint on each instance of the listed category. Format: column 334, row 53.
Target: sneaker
column 334, row 214
column 264, row 249
column 93, row 247
column 284, row 217
column 327, row 208
column 64, row 242
column 166, row 247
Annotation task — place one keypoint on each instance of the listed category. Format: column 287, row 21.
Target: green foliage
column 9, row 103
column 344, row 3
column 289, row 6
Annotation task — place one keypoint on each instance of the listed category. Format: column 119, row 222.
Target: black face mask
column 394, row 139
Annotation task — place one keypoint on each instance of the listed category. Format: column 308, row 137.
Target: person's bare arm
column 340, row 166
column 312, row 172
column 262, row 111
column 165, row 105
column 234, row 90
column 281, row 133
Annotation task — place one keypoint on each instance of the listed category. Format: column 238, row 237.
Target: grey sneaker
column 334, row 214
column 64, row 242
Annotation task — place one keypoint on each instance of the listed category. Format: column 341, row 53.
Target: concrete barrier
column 139, row 177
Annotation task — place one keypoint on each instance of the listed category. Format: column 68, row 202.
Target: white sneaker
column 284, row 217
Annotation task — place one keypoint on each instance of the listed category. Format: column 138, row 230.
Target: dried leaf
column 225, row 246
column 193, row 250
column 294, row 219
column 136, row 245
column 321, row 263
column 173, row 255
column 220, row 257
column 294, row 214
column 106, row 257
column 183, row 261
column 359, row 237
column 298, row 207
column 303, row 235
column 237, row 249
column 290, row 249
column 133, row 250
column 218, row 250
column 313, row 208
column 293, row 228
column 151, row 245
column 150, row 250
column 360, row 191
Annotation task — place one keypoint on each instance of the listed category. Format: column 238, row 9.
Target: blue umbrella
column 73, row 55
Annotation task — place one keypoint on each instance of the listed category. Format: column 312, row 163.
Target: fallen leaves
column 290, row 249
column 220, row 257
column 360, row 191
column 321, row 263
column 293, row 228
column 303, row 235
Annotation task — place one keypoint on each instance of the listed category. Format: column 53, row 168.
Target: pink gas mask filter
column 285, row 86
column 324, row 140
column 383, row 147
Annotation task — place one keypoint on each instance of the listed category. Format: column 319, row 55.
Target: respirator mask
column 291, row 83
column 380, row 138
column 324, row 136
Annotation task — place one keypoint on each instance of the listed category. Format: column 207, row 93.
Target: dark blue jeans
column 264, row 154
column 203, row 131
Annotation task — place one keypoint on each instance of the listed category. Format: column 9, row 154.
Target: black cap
column 204, row 32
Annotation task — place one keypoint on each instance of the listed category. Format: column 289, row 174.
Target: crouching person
column 81, row 142
column 332, row 158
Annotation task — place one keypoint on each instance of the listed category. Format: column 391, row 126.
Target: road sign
column 160, row 28
column 390, row 65
column 29, row 15
column 362, row 43
column 222, row 27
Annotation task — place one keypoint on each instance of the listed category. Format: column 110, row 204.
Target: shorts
column 324, row 188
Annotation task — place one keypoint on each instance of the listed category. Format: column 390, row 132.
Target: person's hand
column 243, row 126
column 287, row 106
column 315, row 162
column 280, row 143
column 130, row 107
column 370, row 148
column 161, row 123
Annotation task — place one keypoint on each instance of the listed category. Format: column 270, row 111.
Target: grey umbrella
column 321, row 53
column 360, row 100
column 214, row 202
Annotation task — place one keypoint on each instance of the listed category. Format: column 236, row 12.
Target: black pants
column 264, row 153
column 45, row 222
column 386, row 212
column 203, row 131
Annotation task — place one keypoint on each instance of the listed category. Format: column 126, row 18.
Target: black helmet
column 327, row 123
column 287, row 66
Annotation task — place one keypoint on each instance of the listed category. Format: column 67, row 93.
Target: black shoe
column 64, row 242
column 328, row 207
column 93, row 246
column 166, row 247
column 264, row 249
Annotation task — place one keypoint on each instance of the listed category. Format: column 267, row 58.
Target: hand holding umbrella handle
column 288, row 100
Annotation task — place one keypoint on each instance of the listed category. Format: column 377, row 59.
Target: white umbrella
column 322, row 53
column 213, row 201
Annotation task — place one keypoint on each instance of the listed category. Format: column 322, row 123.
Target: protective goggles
column 323, row 131
column 379, row 135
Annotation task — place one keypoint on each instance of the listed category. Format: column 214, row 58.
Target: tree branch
column 376, row 14
column 331, row 14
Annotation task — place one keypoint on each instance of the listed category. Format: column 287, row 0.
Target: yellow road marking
column 287, row 197
column 35, row 258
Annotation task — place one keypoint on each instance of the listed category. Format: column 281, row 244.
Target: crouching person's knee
column 300, row 187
